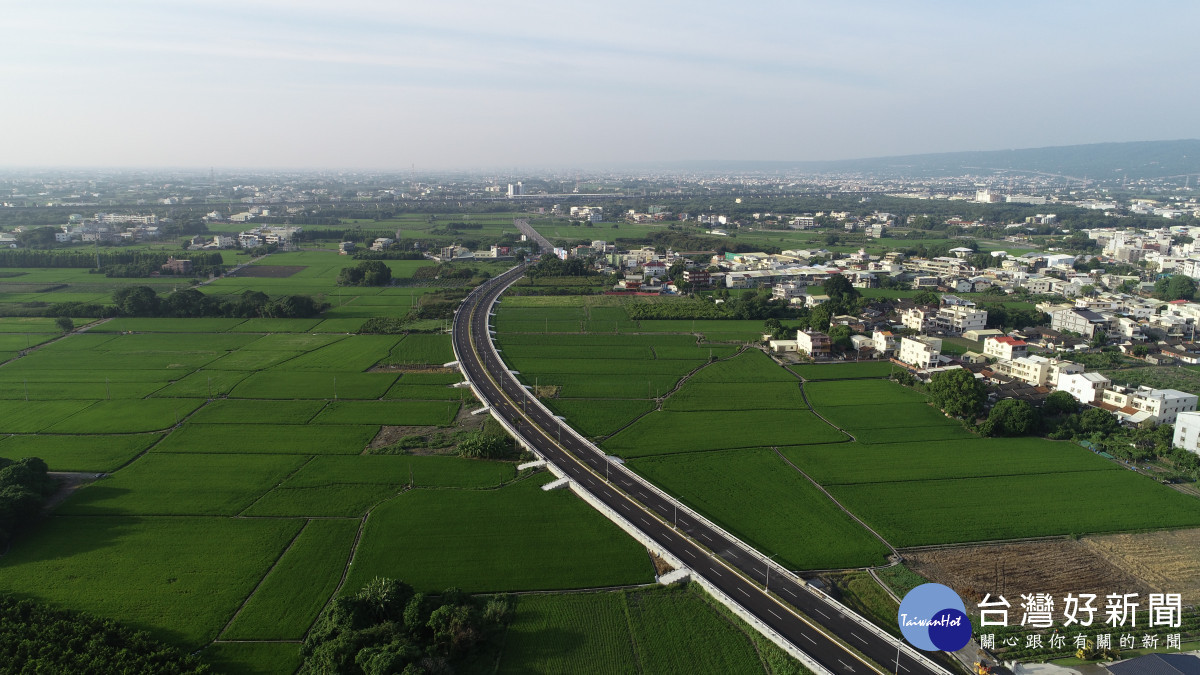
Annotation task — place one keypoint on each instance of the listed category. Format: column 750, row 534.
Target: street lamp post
column 767, row 583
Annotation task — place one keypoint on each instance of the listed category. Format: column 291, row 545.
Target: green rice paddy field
column 234, row 482
column 237, row 495
column 746, row 442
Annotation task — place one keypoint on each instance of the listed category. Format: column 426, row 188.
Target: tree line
column 387, row 627
column 39, row 639
column 144, row 301
column 23, row 257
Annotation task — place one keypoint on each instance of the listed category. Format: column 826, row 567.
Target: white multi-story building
column 921, row 352
column 960, row 318
column 883, row 341
column 1158, row 406
column 1037, row 371
column 1187, row 431
column 1004, row 347
column 918, row 319
column 1085, row 387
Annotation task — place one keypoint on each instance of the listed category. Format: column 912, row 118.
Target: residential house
column 883, row 341
column 812, row 343
column 1187, row 431
column 920, row 352
column 1082, row 321
column 1144, row 404
column 1085, row 387
column 1004, row 347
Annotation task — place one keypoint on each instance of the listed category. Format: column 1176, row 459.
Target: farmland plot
column 859, row 393
column 599, row 417
column 968, row 509
column 253, row 658
column 557, row 633
column 355, row 353
column 180, row 578
column 420, row 349
column 295, row 590
column 675, row 432
column 127, row 416
column 397, row 470
column 852, row 463
column 30, row 417
column 755, row 495
column 164, row 484
column 251, row 411
column 283, row 384
column 269, row 438
column 521, row 538
column 324, row 501
column 749, row 366
column 396, row 413
column 697, row 396
column 79, row 453
column 844, row 371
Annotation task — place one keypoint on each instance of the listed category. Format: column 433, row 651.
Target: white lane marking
column 805, row 636
column 642, row 494
column 645, row 521
column 623, row 506
column 743, row 591
column 788, row 591
column 850, row 668
column 714, row 571
column 821, row 613
column 774, row 614
column 857, row 636
column 689, row 552
column 705, row 536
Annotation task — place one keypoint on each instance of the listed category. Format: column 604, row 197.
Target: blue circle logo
column 932, row 617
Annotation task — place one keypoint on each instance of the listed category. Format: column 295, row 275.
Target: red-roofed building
column 1004, row 347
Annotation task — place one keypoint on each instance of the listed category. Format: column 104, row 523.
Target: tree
column 1060, row 403
column 927, row 298
column 819, row 317
column 1095, row 421
column 136, row 301
column 958, row 393
column 367, row 273
column 1099, row 338
column 65, row 324
column 1012, row 417
column 40, row 237
column 840, row 336
column 839, row 289
column 1175, row 287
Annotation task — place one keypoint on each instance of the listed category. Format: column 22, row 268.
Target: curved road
column 707, row 552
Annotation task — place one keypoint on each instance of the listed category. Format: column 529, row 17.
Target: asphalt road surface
column 704, row 550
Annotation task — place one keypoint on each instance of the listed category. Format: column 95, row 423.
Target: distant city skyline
column 367, row 84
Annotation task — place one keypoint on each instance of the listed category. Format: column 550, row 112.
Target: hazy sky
column 510, row 83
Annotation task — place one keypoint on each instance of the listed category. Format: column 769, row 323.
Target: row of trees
column 39, row 639
column 144, row 301
column 24, row 487
column 551, row 266
column 388, row 628
column 23, row 257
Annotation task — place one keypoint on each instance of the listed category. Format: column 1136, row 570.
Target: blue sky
column 457, row 84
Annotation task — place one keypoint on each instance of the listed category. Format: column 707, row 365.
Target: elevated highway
column 829, row 637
